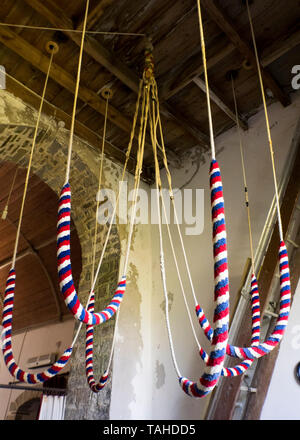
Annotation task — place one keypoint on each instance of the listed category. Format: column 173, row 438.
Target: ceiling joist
column 40, row 61
column 225, row 24
column 220, row 103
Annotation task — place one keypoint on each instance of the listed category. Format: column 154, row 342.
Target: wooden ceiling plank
column 95, row 14
column 29, row 53
column 100, row 54
column 220, row 103
column 175, row 82
column 57, row 17
column 184, row 75
column 197, row 134
column 280, row 48
column 225, row 24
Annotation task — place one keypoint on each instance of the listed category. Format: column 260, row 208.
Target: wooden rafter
column 225, row 24
column 182, row 76
column 35, row 57
column 220, row 102
column 280, row 48
column 178, row 117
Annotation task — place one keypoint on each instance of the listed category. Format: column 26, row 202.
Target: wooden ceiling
column 37, row 297
column 117, row 61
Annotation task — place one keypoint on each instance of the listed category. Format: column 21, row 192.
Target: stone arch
column 49, row 165
column 20, row 400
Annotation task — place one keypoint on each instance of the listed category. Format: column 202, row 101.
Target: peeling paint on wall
column 129, row 332
column 160, row 374
column 170, row 303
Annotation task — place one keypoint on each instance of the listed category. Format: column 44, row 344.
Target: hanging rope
column 63, row 235
column 99, row 187
column 79, row 31
column 257, row 349
column 5, row 210
column 89, row 328
column 267, row 123
column 282, row 320
column 96, row 387
column 76, row 95
column 215, row 362
column 244, row 176
column 216, row 358
column 30, row 162
column 8, row 303
column 207, row 91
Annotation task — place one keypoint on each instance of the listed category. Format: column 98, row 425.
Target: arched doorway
column 29, row 410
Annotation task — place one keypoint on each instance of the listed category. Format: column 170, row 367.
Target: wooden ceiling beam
column 225, row 24
column 101, row 55
column 29, row 53
column 57, row 17
column 220, row 103
column 280, row 47
column 40, row 61
column 174, row 115
column 178, row 79
column 95, row 14
column 182, row 76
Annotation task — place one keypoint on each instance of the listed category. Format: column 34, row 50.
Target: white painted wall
column 131, row 379
column 54, row 338
column 283, row 397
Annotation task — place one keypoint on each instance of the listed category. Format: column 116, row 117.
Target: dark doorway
column 29, row 410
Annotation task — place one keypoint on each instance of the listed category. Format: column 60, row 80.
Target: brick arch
column 49, row 164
